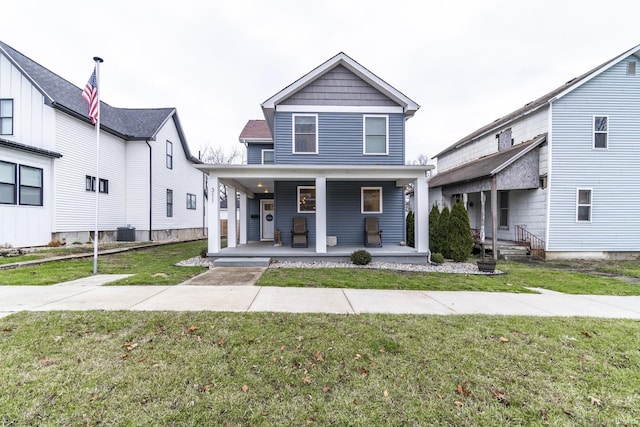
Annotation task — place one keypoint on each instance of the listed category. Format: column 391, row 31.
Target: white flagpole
column 95, row 235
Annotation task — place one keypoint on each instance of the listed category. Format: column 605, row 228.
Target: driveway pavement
column 89, row 294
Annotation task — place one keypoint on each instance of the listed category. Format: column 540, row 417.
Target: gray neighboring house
column 559, row 174
column 48, row 165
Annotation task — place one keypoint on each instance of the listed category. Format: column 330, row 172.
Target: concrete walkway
column 89, row 294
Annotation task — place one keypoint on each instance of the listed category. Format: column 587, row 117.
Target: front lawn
column 157, row 368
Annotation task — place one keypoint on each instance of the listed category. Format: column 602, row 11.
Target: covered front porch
column 270, row 196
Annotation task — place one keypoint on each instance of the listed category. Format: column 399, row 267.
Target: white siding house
column 560, row 173
column 48, row 165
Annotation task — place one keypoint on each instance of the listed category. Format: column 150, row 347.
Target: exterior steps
column 514, row 252
column 242, row 262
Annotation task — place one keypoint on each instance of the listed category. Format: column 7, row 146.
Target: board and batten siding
column 340, row 140
column 75, row 206
column 339, row 86
column 182, row 179
column 523, row 130
column 344, row 217
column 22, row 225
column 254, row 153
column 611, row 174
column 33, row 121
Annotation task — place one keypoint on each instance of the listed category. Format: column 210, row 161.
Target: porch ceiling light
column 260, row 184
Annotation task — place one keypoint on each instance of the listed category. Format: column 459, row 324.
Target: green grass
column 385, row 279
column 124, row 368
column 150, row 266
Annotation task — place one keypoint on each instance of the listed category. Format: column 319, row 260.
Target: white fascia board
column 409, row 106
column 597, row 73
column 338, row 109
column 294, row 172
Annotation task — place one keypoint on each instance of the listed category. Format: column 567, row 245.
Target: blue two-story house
column 331, row 150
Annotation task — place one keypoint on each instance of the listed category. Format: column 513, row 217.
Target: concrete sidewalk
column 89, row 294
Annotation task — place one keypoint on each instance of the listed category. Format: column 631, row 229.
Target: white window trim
column 362, row 190
column 590, row 190
column 293, row 133
column 270, row 150
column 305, row 187
column 593, row 132
column 364, row 134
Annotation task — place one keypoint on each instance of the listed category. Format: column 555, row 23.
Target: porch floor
column 389, row 253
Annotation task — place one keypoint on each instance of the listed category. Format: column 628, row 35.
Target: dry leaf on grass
column 245, row 388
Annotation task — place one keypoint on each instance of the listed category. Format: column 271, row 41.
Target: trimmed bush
column 460, row 241
column 443, row 231
column 411, row 230
column 437, row 258
column 361, row 257
column 435, row 242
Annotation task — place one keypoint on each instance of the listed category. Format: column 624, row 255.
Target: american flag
column 90, row 94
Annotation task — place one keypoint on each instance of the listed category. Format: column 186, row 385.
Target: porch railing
column 535, row 244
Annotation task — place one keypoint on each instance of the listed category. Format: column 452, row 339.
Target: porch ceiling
column 259, row 179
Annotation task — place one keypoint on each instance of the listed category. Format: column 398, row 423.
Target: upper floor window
column 169, row 155
column 7, row 183
column 6, row 116
column 600, row 131
column 371, row 198
column 169, row 203
column 583, row 211
column 306, row 199
column 376, row 135
column 305, row 134
column 191, row 201
column 268, row 157
column 30, row 186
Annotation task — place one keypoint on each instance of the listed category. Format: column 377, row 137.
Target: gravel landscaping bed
column 447, row 267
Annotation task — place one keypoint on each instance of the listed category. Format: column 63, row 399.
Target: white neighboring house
column 48, row 165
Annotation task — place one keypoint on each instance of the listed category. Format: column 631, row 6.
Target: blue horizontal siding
column 612, row 174
column 340, row 137
column 344, row 217
column 254, row 153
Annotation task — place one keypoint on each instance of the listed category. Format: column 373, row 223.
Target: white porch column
column 421, row 218
column 321, row 214
column 214, row 215
column 243, row 218
column 232, row 234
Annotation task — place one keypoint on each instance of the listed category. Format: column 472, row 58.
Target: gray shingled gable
column 129, row 124
column 485, row 166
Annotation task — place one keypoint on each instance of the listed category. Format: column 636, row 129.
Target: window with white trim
column 305, row 134
column 268, row 157
column 8, row 195
column 30, row 186
column 600, row 131
column 6, row 116
column 631, row 68
column 169, row 155
column 306, row 199
column 371, row 200
column 169, row 203
column 191, row 201
column 375, row 134
column 583, row 205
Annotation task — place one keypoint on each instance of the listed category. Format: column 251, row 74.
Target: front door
column 267, row 219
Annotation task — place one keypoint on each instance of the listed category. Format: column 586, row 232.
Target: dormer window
column 305, row 134
column 376, row 135
column 6, row 116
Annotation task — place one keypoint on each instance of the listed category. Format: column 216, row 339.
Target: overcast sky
column 466, row 63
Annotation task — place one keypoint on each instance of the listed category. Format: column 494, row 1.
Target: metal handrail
column 536, row 245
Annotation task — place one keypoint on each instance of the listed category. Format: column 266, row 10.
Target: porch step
column 242, row 262
column 513, row 252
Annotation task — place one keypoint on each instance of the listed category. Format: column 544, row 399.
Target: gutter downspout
column 150, row 192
